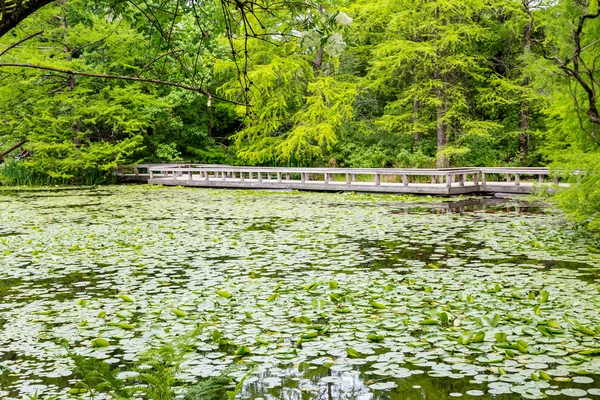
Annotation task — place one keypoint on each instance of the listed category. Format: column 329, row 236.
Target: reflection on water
column 474, row 205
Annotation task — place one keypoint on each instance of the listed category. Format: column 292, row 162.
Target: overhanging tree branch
column 12, row 46
column 13, row 16
column 119, row 77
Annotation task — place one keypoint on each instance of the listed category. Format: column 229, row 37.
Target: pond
column 306, row 295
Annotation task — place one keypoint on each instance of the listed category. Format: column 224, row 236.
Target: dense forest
column 88, row 87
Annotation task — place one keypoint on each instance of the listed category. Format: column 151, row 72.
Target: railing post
column 541, row 178
column 259, row 176
column 347, row 179
column 326, row 178
column 190, row 172
column 433, row 179
column 268, row 176
column 353, row 177
column 483, row 181
column 136, row 171
column 377, row 179
column 242, row 176
column 405, row 180
column 462, row 179
column 556, row 180
column 517, row 180
column 223, row 176
column 476, row 178
column 507, row 178
column 206, row 176
column 150, row 173
column 279, row 177
column 287, row 176
column 302, row 178
column 448, row 181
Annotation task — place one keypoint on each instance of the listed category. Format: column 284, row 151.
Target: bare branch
column 118, row 77
column 12, row 46
column 155, row 60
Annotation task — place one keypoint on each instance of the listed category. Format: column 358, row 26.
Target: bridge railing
column 515, row 174
column 377, row 176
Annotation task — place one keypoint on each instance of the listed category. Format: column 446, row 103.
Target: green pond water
column 323, row 296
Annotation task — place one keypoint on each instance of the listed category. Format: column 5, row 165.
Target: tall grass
column 14, row 173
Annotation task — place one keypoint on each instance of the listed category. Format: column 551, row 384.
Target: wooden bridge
column 450, row 181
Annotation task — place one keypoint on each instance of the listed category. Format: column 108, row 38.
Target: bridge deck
column 451, row 181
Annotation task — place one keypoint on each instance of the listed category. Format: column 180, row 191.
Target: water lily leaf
column 377, row 305
column 224, row 293
column 310, row 335
column 465, row 338
column 352, row 352
column 501, row 337
column 100, row 342
column 372, row 337
column 178, row 312
column 573, row 392
column 243, row 351
column 126, row 298
column 590, row 352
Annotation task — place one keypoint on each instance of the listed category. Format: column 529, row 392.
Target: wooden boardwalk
column 451, row 181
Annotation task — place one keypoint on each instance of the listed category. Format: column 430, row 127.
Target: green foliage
column 581, row 201
column 95, row 376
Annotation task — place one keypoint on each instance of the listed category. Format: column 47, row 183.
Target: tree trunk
column 318, row 63
column 210, row 114
column 417, row 133
column 525, row 106
column 441, row 161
